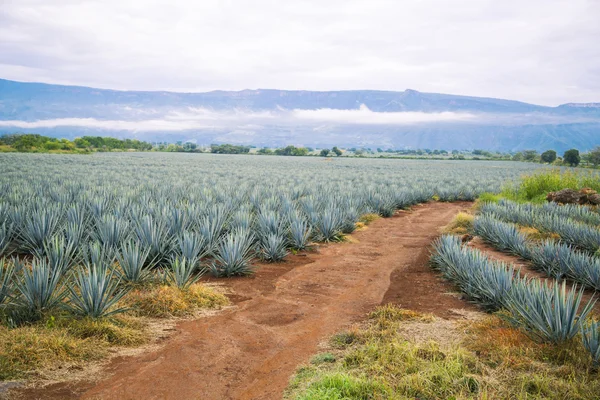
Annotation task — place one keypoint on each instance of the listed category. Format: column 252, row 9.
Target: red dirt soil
column 283, row 312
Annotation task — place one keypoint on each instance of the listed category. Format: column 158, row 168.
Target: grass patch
column 489, row 359
column 323, row 358
column 366, row 219
column 27, row 349
column 534, row 234
column 535, row 187
column 118, row 331
column 163, row 301
column 460, row 225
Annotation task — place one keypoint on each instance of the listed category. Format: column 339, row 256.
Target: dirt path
column 250, row 351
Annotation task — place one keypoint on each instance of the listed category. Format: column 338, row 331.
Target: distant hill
column 408, row 119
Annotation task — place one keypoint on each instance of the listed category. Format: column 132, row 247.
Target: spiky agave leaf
column 549, row 313
column 7, row 272
column 502, row 235
column 192, row 246
column 328, row 225
column 273, row 247
column 484, row 281
column 94, row 253
column 59, row 252
column 300, row 233
column 153, row 233
column 40, row 287
column 96, row 292
column 6, row 237
column 590, row 335
column 40, row 226
column 183, row 273
column 111, row 231
column 233, row 255
column 132, row 259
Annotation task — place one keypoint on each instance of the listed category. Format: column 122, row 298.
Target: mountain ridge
column 371, row 118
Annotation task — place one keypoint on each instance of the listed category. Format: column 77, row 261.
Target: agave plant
column 501, row 235
column 484, row 281
column 94, row 253
column 233, row 255
column 39, row 227
column 328, row 225
column 549, row 313
column 96, row 292
column 192, row 247
column 6, row 236
column 299, row 232
column 7, row 272
column 153, row 234
column 40, row 287
column 111, row 231
column 183, row 273
column 590, row 334
column 273, row 247
column 132, row 259
column 60, row 253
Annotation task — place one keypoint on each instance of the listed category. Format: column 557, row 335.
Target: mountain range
column 268, row 117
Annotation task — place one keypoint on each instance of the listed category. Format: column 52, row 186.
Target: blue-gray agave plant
column 111, row 231
column 95, row 292
column 7, row 272
column 192, row 246
column 6, row 237
column 183, row 273
column 40, row 287
column 132, row 259
column 548, row 312
column 40, row 226
column 233, row 255
column 502, row 235
column 273, row 247
column 590, row 333
column 300, row 233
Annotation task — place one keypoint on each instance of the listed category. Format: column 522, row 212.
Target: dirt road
column 282, row 313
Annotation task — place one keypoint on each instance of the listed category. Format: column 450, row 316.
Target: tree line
column 38, row 143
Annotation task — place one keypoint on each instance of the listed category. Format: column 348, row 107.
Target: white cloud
column 542, row 51
column 247, row 121
column 364, row 116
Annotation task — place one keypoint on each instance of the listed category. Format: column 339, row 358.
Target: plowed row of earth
column 282, row 313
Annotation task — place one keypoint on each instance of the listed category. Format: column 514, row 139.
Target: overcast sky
column 540, row 51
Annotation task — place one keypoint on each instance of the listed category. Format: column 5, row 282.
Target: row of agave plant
column 91, row 289
column 547, row 312
column 576, row 225
column 553, row 258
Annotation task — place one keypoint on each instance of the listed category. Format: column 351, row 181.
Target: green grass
column 489, row 360
column 534, row 188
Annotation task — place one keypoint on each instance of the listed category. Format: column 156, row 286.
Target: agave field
column 78, row 230
column 565, row 248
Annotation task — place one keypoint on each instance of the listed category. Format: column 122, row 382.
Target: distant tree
column 324, row 152
column 337, row 151
column 530, row 155
column 265, row 150
column 379, row 150
column 518, row 156
column 594, row 156
column 572, row 157
column 359, row 152
column 549, row 156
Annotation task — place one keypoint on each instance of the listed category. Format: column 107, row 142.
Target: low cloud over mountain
column 407, row 119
